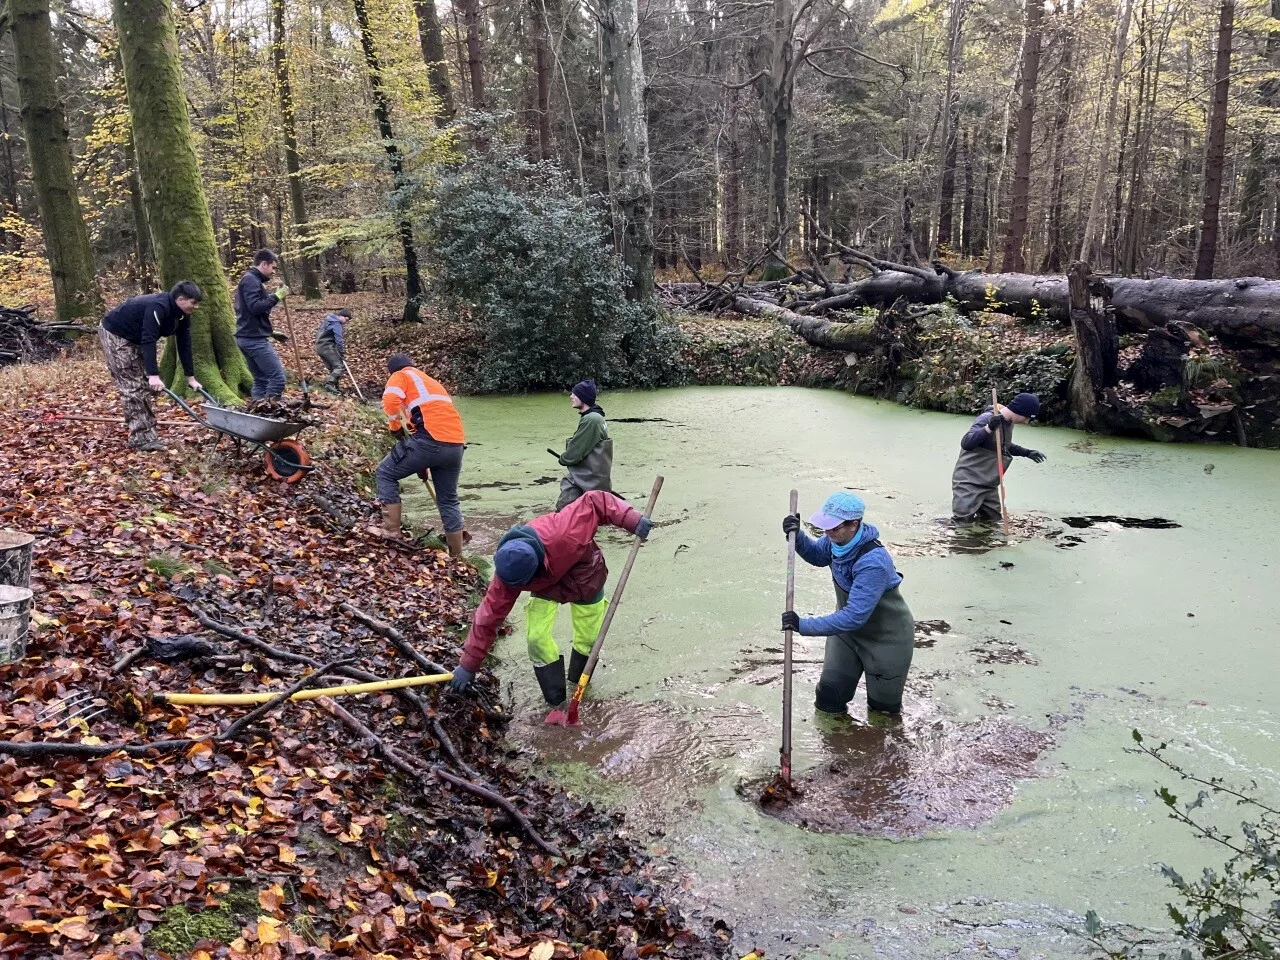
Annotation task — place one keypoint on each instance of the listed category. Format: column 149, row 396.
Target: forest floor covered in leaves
column 389, row 825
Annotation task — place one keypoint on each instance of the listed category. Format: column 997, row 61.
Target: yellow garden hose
column 237, row 699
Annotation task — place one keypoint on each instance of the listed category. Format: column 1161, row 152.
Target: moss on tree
column 44, row 123
column 174, row 195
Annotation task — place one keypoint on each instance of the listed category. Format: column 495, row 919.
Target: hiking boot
column 151, row 446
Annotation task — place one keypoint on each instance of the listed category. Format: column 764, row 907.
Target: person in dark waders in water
column 975, row 481
column 556, row 560
column 588, row 454
column 872, row 632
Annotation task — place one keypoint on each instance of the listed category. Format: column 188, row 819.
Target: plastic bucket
column 15, row 615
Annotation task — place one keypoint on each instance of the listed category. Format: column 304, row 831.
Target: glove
column 462, row 678
column 281, row 292
column 995, row 423
column 643, row 528
column 791, row 621
column 791, row 524
column 194, row 384
column 399, row 433
column 280, row 337
column 553, row 453
column 1035, row 456
column 155, row 383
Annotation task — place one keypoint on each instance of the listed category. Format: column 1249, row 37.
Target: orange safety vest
column 410, row 389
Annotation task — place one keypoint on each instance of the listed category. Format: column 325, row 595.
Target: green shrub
column 515, row 248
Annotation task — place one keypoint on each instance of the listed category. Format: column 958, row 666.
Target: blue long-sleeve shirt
column 331, row 329
column 865, row 580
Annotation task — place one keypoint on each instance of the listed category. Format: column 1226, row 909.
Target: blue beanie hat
column 516, row 562
column 398, row 361
column 1025, row 405
column 586, row 392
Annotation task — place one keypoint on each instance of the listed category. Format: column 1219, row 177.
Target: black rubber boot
column 551, row 680
column 577, row 663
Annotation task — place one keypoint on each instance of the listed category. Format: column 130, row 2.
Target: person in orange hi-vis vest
column 421, row 414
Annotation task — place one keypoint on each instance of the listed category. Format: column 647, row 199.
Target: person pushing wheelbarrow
column 555, row 559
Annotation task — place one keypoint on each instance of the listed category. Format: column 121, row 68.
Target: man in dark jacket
column 129, row 335
column 975, row 481
column 872, row 633
column 332, row 348
column 253, row 325
column 588, row 454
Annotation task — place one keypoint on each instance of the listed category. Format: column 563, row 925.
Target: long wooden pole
column 1004, row 510
column 581, row 688
column 354, row 382
column 786, row 644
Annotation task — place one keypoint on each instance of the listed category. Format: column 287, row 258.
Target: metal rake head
column 72, row 712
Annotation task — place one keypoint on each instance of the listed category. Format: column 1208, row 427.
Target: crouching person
column 872, row 632
column 129, row 335
column 421, row 414
column 555, row 559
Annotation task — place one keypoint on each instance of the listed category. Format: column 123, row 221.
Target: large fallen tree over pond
column 1243, row 309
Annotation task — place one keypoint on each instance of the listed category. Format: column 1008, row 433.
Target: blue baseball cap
column 837, row 509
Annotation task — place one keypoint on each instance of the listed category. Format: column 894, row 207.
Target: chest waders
column 881, row 649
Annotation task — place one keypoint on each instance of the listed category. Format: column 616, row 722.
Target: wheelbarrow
column 284, row 459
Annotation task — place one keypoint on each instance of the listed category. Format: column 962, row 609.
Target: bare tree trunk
column 44, row 122
column 1020, row 195
column 1208, row 249
column 431, row 39
column 542, row 77
column 10, row 174
column 779, row 88
column 626, row 134
column 1055, row 251
column 1097, row 344
column 475, row 54
column 733, row 180
column 297, row 203
column 1087, row 244
column 966, row 207
column 950, row 120
column 382, row 113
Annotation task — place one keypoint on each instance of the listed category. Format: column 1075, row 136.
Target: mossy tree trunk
column 431, row 38
column 173, row 195
column 44, row 123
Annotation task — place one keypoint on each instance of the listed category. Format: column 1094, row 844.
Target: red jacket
column 573, row 568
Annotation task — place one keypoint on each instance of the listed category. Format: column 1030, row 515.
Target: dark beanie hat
column 1025, row 405
column 586, row 392
column 516, row 562
column 398, row 361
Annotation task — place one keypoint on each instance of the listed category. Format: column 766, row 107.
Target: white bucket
column 15, row 615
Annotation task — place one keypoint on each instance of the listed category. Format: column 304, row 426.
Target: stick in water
column 1004, row 510
column 581, row 688
column 786, row 644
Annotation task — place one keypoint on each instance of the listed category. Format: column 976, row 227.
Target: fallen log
column 829, row 334
column 1243, row 310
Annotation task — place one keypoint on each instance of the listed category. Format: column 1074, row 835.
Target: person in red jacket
column 555, row 558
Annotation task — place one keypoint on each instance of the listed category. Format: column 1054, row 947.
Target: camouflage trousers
column 124, row 360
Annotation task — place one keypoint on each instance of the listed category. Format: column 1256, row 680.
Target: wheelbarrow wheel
column 286, row 460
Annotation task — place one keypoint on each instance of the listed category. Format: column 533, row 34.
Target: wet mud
column 899, row 782
column 944, row 537
column 1128, row 523
column 928, row 631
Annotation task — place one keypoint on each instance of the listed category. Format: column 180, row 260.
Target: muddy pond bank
column 1064, row 650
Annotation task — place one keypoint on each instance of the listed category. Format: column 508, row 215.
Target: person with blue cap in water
column 872, row 633
column 975, row 481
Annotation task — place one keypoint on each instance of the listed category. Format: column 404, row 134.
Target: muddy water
column 1005, row 806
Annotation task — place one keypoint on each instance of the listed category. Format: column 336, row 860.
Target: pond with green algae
column 1005, row 805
